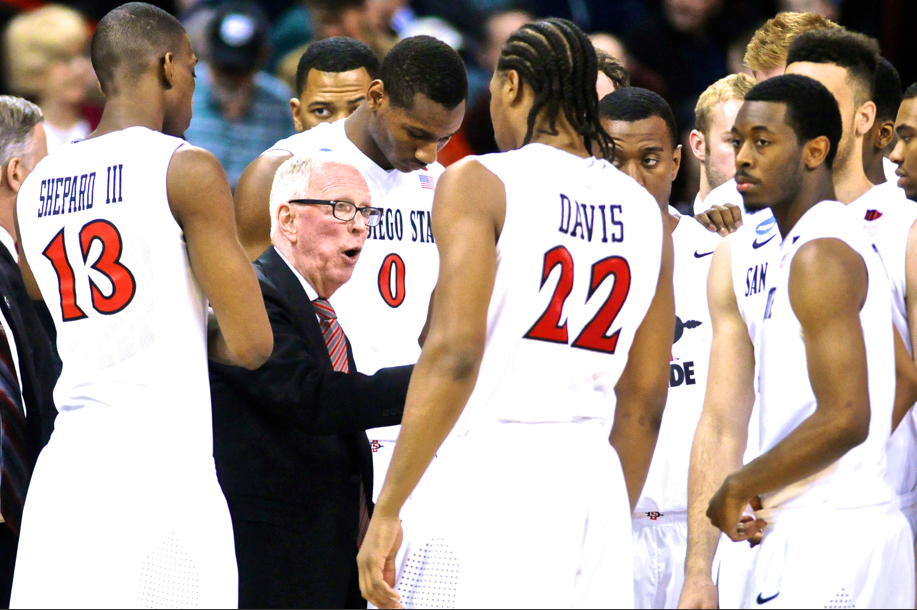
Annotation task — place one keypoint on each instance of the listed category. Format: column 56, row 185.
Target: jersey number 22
column 594, row 336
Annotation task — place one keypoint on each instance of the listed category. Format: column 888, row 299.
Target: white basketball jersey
column 384, row 306
column 723, row 194
column 787, row 399
column 577, row 267
column 888, row 215
column 113, row 269
column 666, row 488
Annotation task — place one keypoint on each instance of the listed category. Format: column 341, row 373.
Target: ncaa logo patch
column 765, row 226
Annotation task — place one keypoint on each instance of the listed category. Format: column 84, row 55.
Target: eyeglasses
column 346, row 211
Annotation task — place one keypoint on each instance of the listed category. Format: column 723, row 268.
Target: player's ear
column 511, row 87
column 886, row 135
column 865, row 118
column 374, row 95
column 167, row 67
column 698, row 144
column 295, row 107
column 676, row 161
column 816, row 151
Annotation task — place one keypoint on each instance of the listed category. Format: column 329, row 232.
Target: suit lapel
column 276, row 270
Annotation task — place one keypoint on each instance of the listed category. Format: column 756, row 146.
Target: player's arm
column 28, row 277
column 905, row 381
column 201, row 203
column 643, row 386
column 253, row 202
column 468, row 213
column 827, row 289
column 722, row 432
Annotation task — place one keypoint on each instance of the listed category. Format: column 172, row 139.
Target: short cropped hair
column 886, row 91
column 130, row 36
column 910, row 93
column 293, row 180
column 732, row 87
column 34, row 40
column 769, row 46
column 338, row 54
column 856, row 53
column 812, row 110
column 423, row 64
column 18, row 118
column 635, row 104
column 612, row 68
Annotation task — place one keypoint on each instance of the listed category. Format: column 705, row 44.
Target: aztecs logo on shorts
column 654, row 515
column 376, row 445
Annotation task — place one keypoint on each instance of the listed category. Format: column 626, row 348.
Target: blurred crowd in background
column 249, row 52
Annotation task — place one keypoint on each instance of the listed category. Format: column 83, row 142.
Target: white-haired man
column 289, row 440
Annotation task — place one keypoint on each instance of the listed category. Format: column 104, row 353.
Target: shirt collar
column 310, row 291
column 9, row 243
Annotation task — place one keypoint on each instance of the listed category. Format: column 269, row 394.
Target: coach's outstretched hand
column 376, row 561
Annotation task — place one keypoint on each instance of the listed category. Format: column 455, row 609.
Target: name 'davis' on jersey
column 578, row 220
column 77, row 193
column 391, row 227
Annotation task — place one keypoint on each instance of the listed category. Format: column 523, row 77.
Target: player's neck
column 875, row 173
column 562, row 137
column 705, row 187
column 356, row 128
column 815, row 188
column 850, row 181
column 122, row 112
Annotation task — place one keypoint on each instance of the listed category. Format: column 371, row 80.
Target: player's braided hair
column 556, row 59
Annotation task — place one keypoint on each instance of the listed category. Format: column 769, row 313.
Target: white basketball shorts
column 829, row 558
column 520, row 516
column 104, row 529
column 732, row 567
column 660, row 546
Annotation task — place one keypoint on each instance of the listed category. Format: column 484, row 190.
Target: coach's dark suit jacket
column 39, row 368
column 291, row 448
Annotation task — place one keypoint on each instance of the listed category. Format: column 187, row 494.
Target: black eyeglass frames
column 345, row 210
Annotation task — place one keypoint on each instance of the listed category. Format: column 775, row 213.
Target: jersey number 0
column 123, row 285
column 594, row 336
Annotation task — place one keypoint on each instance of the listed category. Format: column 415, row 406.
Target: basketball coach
column 289, row 438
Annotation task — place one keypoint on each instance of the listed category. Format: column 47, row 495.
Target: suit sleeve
column 294, row 389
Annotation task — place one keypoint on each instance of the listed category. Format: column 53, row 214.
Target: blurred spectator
column 735, row 54
column 677, row 43
column 610, row 45
column 829, row 9
column 498, row 27
column 767, row 51
column 47, row 61
column 331, row 81
column 319, row 19
column 612, row 74
column 239, row 111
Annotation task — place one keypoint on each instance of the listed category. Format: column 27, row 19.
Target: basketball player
column 765, row 56
column 527, row 505
column 411, row 112
column 887, row 96
column 331, row 81
column 904, row 155
column 128, row 234
column 826, row 374
column 711, row 138
column 846, row 62
column 643, row 128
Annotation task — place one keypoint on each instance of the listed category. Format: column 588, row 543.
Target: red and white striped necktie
column 337, row 349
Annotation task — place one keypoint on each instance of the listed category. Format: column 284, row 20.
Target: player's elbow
column 647, row 401
column 852, row 429
column 458, row 360
column 255, row 352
